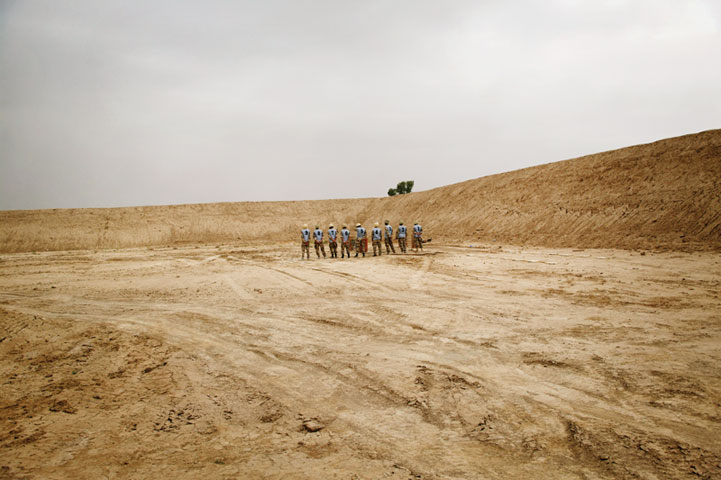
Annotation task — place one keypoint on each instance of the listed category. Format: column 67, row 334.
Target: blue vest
column 345, row 234
column 306, row 234
column 360, row 232
column 389, row 231
column 318, row 235
column 332, row 234
column 417, row 229
column 401, row 231
column 376, row 233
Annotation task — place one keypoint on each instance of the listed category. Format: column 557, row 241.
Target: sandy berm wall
column 662, row 195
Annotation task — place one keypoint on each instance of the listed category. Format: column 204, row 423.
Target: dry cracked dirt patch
column 244, row 362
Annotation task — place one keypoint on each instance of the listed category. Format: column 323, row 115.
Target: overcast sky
column 115, row 103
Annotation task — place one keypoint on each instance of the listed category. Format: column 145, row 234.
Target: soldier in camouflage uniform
column 376, row 237
column 401, row 236
column 333, row 241
column 361, row 242
column 389, row 238
column 417, row 237
column 344, row 241
column 304, row 242
column 318, row 234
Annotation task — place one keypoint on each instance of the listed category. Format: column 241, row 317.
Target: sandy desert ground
column 241, row 361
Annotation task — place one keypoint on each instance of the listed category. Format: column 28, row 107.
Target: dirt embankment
column 663, row 195
column 104, row 228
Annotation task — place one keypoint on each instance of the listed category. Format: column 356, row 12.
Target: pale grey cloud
column 131, row 103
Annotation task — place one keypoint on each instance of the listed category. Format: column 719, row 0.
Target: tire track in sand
column 242, row 294
column 266, row 267
column 417, row 280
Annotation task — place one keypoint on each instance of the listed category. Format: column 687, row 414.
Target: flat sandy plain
column 232, row 361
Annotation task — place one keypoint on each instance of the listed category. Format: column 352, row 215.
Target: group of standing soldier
column 379, row 236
